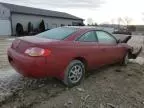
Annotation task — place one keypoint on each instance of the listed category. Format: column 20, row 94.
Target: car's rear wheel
column 74, row 73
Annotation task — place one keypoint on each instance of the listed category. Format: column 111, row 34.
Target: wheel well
column 83, row 60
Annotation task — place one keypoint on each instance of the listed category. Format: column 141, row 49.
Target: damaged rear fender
column 134, row 55
column 126, row 39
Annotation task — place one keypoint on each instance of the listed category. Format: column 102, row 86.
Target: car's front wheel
column 74, row 73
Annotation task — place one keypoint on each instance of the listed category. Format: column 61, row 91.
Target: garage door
column 5, row 27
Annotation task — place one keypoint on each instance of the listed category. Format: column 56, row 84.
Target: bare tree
column 143, row 16
column 89, row 21
column 112, row 21
column 127, row 20
column 120, row 21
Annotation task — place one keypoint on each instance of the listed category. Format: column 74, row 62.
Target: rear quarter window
column 105, row 38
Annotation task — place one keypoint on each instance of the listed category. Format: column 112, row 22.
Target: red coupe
column 66, row 53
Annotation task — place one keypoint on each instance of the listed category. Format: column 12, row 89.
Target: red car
column 66, row 53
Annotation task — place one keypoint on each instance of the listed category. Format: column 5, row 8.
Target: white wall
column 5, row 24
column 4, row 13
column 35, row 20
column 5, row 28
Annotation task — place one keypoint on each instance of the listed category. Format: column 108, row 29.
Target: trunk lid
column 23, row 43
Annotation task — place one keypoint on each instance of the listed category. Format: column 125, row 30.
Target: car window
column 57, row 33
column 104, row 37
column 88, row 37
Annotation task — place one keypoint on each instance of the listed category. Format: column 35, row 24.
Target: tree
column 143, row 16
column 89, row 21
column 19, row 29
column 30, row 27
column 42, row 26
column 93, row 24
column 127, row 20
column 120, row 20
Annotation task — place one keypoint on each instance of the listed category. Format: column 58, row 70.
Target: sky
column 96, row 11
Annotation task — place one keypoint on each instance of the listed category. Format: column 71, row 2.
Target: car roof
column 82, row 27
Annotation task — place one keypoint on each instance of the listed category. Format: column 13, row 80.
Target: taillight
column 34, row 51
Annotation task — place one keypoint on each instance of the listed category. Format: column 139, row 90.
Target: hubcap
column 75, row 73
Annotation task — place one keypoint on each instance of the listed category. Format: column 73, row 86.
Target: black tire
column 69, row 71
column 125, row 59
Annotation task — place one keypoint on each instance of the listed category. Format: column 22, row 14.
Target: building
column 139, row 30
column 11, row 14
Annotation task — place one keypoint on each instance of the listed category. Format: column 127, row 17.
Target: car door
column 90, row 49
column 108, row 45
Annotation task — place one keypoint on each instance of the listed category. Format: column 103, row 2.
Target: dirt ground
column 112, row 86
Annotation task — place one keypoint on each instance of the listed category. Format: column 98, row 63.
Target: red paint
column 59, row 53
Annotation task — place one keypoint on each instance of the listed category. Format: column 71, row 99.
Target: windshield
column 57, row 33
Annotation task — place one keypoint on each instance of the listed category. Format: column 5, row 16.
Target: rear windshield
column 57, row 33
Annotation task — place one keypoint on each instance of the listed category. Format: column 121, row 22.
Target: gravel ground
column 110, row 87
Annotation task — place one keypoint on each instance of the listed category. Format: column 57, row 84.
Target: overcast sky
column 101, row 11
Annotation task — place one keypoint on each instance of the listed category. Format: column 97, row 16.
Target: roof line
column 37, row 11
column 45, row 15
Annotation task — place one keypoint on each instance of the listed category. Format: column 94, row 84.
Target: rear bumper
column 36, row 67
